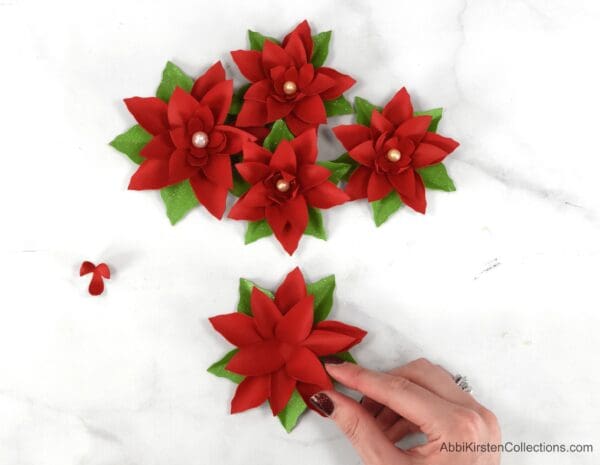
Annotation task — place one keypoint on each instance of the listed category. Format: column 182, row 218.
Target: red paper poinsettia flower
column 390, row 151
column 190, row 139
column 279, row 346
column 284, row 185
column 99, row 273
column 286, row 85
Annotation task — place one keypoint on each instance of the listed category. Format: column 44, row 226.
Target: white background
column 498, row 281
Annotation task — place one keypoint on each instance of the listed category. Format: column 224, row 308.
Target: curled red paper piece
column 99, row 272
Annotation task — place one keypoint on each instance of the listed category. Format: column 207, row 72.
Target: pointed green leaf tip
column 179, row 199
column 291, row 413
column 364, row 109
column 218, row 368
column 384, row 208
column 436, row 116
column 338, row 106
column 245, row 290
column 131, row 142
column 323, row 292
column 173, row 77
column 436, row 177
column 320, row 48
column 279, row 132
column 258, row 229
column 257, row 40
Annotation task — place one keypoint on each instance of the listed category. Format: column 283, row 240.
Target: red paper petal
column 250, row 64
column 378, row 187
column 326, row 195
column 302, row 31
column 284, row 158
column 181, row 107
column 416, row 200
column 242, row 210
column 259, row 91
column 212, row 76
column 288, row 222
column 282, row 387
column 160, row 147
column 251, row 392
column 253, row 171
column 319, row 85
column 86, row 267
column 254, row 152
column 277, row 109
column 257, row 359
column 306, row 74
column 258, row 196
column 304, row 366
column 380, row 123
column 252, row 114
column 312, row 175
column 311, row 110
column 96, row 286
column 363, row 153
column 296, row 125
column 342, row 328
column 414, row 128
column 343, row 82
column 218, row 170
column 295, row 49
column 296, row 324
column 305, row 147
column 273, row 55
column 358, row 182
column 151, row 174
column 323, row 342
column 351, row 135
column 103, row 270
column 179, row 169
column 150, row 112
column 400, row 108
column 237, row 328
column 219, row 99
column 291, row 291
column 212, row 196
column 235, row 138
column 266, row 314
column 445, row 143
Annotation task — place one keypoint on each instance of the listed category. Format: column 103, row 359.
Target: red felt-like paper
column 279, row 346
column 395, row 127
column 286, row 212
column 99, row 272
column 170, row 157
column 265, row 101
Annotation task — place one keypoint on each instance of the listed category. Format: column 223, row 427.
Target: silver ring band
column 462, row 382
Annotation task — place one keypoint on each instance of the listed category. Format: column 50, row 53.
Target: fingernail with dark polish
column 323, row 403
column 332, row 360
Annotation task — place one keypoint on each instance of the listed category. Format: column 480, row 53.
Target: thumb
column 360, row 428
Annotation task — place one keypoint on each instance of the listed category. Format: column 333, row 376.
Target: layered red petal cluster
column 390, row 151
column 279, row 346
column 190, row 139
column 286, row 85
column 284, row 184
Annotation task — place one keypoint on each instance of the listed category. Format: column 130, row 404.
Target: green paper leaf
column 345, row 356
column 218, row 368
column 245, row 289
column 323, row 292
column 292, row 411
column 179, row 200
column 131, row 142
column 338, row 170
column 315, row 225
column 384, row 208
column 257, row 230
column 279, row 131
column 320, row 48
column 173, row 77
column 436, row 116
column 238, row 100
column 257, row 40
column 364, row 109
column 346, row 159
column 338, row 106
column 436, row 177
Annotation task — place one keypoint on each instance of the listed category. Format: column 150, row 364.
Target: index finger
column 418, row 405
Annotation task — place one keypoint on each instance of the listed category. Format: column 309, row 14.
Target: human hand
column 419, row 396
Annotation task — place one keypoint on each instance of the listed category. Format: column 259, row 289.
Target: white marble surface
column 499, row 280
